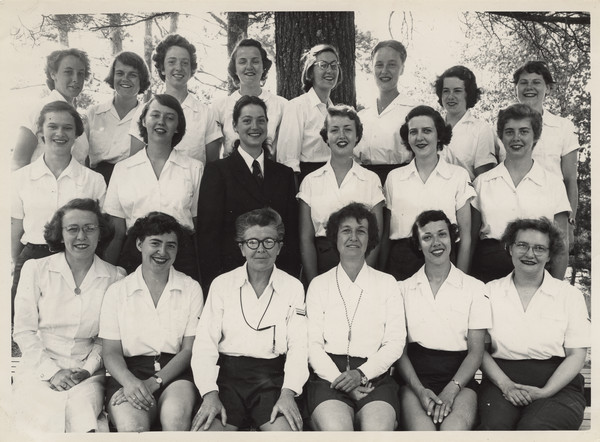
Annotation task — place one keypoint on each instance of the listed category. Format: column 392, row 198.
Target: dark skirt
column 382, row 170
column 436, row 368
column 327, row 255
column 142, row 367
column 249, row 388
column 319, row 390
column 490, row 260
column 308, row 167
column 563, row 411
column 186, row 260
column 403, row 260
column 105, row 169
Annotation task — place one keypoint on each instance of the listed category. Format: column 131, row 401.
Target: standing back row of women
column 251, row 349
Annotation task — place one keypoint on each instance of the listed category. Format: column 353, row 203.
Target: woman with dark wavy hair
column 356, row 331
column 147, row 325
column 245, row 180
column 428, row 182
column 158, row 178
column 248, row 67
column 473, row 141
column 175, row 62
column 447, row 314
column 110, row 121
column 66, row 72
column 539, row 338
column 59, row 383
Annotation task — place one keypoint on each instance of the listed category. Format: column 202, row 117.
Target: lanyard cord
column 347, row 317
column 261, row 318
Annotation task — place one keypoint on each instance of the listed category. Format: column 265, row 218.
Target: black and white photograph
column 307, row 217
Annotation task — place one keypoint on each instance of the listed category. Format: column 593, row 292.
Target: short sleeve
column 16, row 202
column 112, row 204
column 196, row 304
column 571, row 141
column 475, row 202
column 212, row 130
column 578, row 333
column 388, row 193
column 305, row 193
column 485, row 150
column 480, row 314
column 377, row 195
column 109, row 315
column 464, row 190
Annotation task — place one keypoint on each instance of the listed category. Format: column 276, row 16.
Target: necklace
column 258, row 327
column 350, row 322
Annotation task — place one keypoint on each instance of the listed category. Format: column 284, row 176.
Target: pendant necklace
column 350, row 322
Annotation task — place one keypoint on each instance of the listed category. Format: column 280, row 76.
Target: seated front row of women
column 250, row 357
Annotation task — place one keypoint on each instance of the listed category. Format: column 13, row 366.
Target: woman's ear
column 138, row 244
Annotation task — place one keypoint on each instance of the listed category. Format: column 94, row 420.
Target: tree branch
column 576, row 18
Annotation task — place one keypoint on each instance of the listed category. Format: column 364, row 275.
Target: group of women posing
column 176, row 215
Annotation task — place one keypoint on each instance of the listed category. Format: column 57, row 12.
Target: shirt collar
column 142, row 157
column 466, row 118
column 39, row 169
column 357, row 170
column 550, row 286
column 240, row 278
column 249, row 160
column 105, row 107
column 136, row 283
column 442, row 169
column 58, row 263
column 363, row 279
column 536, row 174
column 549, row 119
column 314, row 99
column 454, row 278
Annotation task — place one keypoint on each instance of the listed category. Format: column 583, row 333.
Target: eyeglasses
column 523, row 247
column 323, row 65
column 74, row 229
column 253, row 243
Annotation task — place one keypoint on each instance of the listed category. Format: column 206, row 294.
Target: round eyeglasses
column 73, row 229
column 523, row 247
column 254, row 243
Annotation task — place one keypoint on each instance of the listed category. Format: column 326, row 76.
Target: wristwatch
column 158, row 380
column 363, row 379
column 571, row 220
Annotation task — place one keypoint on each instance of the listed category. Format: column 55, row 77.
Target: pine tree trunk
column 174, row 22
column 296, row 32
column 237, row 29
column 62, row 26
column 148, row 48
column 116, row 33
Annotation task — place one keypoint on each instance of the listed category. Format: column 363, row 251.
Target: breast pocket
column 551, row 326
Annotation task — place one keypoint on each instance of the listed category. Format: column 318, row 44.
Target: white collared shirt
column 299, row 134
column 54, row 327
column 36, row 194
column 442, row 322
column 109, row 134
column 473, row 143
column 448, row 188
column 81, row 146
column 320, row 191
column 559, row 138
column 249, row 160
column 224, row 111
column 134, row 190
column 381, row 142
column 223, row 329
column 201, row 128
column 378, row 330
column 556, row 318
column 498, row 200
column 129, row 315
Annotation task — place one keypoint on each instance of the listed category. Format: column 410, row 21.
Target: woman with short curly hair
column 428, row 182
column 176, row 62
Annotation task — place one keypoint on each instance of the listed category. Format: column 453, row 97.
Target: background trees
column 492, row 44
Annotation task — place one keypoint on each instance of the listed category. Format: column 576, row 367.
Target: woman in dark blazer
column 244, row 181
